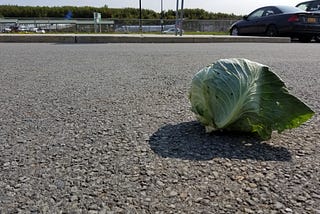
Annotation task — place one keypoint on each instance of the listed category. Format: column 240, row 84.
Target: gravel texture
column 107, row 128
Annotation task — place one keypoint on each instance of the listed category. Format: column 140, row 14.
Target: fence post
column 177, row 18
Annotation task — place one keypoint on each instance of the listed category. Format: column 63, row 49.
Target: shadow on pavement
column 189, row 141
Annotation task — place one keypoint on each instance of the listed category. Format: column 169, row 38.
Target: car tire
column 272, row 31
column 305, row 39
column 234, row 31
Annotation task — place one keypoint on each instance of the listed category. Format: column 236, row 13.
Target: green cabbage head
column 241, row 95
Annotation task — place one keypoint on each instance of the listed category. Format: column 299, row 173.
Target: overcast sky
column 238, row 7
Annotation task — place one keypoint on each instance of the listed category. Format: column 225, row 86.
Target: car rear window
column 289, row 9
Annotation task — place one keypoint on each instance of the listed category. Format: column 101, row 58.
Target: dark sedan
column 279, row 21
column 311, row 6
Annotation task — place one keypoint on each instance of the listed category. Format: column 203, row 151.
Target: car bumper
column 299, row 29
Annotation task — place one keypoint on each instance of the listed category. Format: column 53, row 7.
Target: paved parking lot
column 107, row 128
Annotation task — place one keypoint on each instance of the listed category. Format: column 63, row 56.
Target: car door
column 257, row 22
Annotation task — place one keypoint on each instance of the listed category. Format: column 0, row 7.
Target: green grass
column 185, row 33
column 206, row 33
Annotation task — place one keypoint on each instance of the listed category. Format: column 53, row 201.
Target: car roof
column 283, row 8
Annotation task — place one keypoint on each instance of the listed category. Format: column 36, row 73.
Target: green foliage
column 115, row 13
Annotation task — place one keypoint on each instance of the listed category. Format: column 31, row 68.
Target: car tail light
column 294, row 18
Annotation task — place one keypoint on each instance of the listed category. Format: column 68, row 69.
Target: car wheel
column 234, row 31
column 317, row 38
column 305, row 39
column 272, row 31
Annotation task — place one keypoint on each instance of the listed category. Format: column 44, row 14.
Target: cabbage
column 241, row 95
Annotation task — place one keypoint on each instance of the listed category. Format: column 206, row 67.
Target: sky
column 238, row 7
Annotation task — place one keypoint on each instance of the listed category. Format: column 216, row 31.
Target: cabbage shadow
column 189, row 141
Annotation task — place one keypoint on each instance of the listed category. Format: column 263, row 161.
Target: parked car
column 279, row 21
column 6, row 30
column 22, row 28
column 311, row 6
column 172, row 31
column 37, row 30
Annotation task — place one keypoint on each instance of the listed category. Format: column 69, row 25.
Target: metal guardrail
column 53, row 21
column 59, row 25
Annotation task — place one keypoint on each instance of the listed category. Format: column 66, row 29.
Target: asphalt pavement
column 107, row 128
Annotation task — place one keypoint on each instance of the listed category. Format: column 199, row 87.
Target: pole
column 177, row 17
column 95, row 21
column 161, row 18
column 140, row 17
column 181, row 17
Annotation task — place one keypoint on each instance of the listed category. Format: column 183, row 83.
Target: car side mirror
column 245, row 17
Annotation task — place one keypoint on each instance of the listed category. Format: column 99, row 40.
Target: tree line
column 106, row 12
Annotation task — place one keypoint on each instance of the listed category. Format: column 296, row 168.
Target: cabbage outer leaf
column 241, row 95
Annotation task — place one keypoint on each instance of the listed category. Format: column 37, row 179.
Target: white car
column 22, row 28
column 172, row 31
column 37, row 30
column 40, row 31
column 7, row 30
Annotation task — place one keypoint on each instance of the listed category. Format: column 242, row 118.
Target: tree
column 106, row 12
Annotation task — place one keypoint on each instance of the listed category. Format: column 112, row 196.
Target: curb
column 35, row 38
column 136, row 38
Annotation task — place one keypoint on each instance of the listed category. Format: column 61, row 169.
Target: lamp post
column 181, row 17
column 161, row 16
